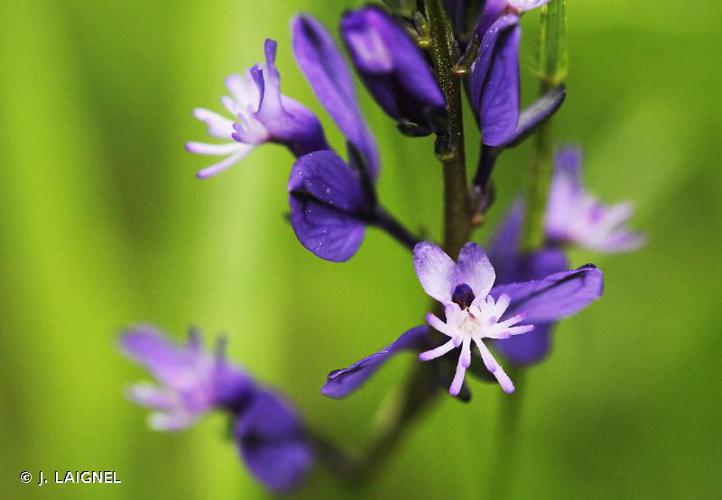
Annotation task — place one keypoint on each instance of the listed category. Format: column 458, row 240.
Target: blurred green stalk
column 553, row 67
column 553, row 64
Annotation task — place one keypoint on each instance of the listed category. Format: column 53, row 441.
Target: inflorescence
column 501, row 303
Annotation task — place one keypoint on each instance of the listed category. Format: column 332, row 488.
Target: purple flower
column 193, row 381
column 472, row 314
column 272, row 442
column 329, row 208
column 331, row 200
column 494, row 83
column 476, row 310
column 331, row 80
column 260, row 114
column 392, row 67
column 512, row 266
column 574, row 216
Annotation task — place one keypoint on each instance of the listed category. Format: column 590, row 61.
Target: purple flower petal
column 390, row 64
column 554, row 297
column 504, row 247
column 474, row 269
column 538, row 112
column 343, row 382
column 527, row 349
column 494, row 82
column 327, row 203
column 287, row 121
column 435, row 271
column 271, row 442
column 531, row 347
column 192, row 381
column 493, row 9
column 526, row 5
column 575, row 216
column 568, row 162
column 152, row 396
column 514, row 267
column 622, row 241
column 231, row 386
column 329, row 76
column 500, row 99
column 171, row 364
column 511, row 265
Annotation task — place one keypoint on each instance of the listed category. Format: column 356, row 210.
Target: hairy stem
column 421, row 389
column 450, row 145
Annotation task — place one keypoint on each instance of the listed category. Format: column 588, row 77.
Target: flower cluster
column 501, row 304
column 192, row 381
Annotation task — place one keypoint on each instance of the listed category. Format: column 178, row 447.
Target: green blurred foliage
column 103, row 225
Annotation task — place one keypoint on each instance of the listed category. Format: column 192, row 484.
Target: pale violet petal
column 435, row 271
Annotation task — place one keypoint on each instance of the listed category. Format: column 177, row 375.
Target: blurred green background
column 103, row 225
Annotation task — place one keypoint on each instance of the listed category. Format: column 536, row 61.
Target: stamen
column 219, row 167
column 486, row 356
column 230, row 105
column 202, row 148
column 521, row 329
column 218, row 126
column 243, row 90
column 465, row 356
column 439, row 325
column 439, row 351
column 513, row 320
column 458, row 381
column 502, row 304
column 504, row 381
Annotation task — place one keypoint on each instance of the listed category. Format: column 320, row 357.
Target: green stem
column 538, row 181
column 450, row 146
column 421, row 389
column 552, row 72
column 399, row 412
